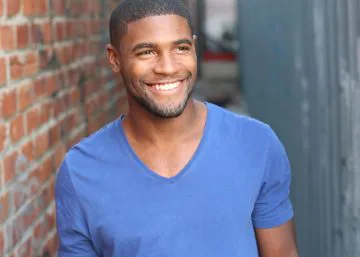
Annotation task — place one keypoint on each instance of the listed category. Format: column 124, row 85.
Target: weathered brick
column 42, row 7
column 16, row 67
column 60, row 31
column 58, row 7
column 59, row 155
column 22, row 35
column 3, row 69
column 23, row 65
column 25, row 96
column 27, row 150
column 13, row 7
column 47, row 32
column 7, row 38
column 41, row 144
column 53, row 95
column 32, row 63
column 30, row 7
column 17, row 128
column 8, row 103
column 4, row 208
column 45, row 171
column 2, row 136
column 9, row 166
column 33, row 119
column 2, row 237
column 1, row 14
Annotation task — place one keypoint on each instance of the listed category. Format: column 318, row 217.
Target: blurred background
column 292, row 64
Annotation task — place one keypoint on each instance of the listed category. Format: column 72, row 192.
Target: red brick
column 41, row 33
column 70, row 29
column 9, row 165
column 13, row 7
column 2, row 136
column 30, row 7
column 75, row 96
column 46, row 111
column 16, row 67
column 55, row 133
column 42, row 7
column 22, row 36
column 51, row 85
column 27, row 151
column 25, row 96
column 2, row 237
column 4, row 209
column 60, row 31
column 41, row 144
column 58, row 7
column 59, row 155
column 1, row 13
column 23, row 65
column 2, row 71
column 33, row 119
column 47, row 32
column 45, row 171
column 7, row 38
column 32, row 64
column 59, row 107
column 8, row 103
column 17, row 128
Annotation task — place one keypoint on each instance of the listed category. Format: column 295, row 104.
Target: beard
column 160, row 110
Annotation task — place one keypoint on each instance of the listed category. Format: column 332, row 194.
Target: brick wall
column 55, row 88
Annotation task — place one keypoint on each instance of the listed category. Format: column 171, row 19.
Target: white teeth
column 165, row 87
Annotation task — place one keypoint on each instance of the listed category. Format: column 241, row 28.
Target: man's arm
column 74, row 238
column 279, row 241
column 273, row 212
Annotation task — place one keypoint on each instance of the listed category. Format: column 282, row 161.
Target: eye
column 146, row 52
column 182, row 49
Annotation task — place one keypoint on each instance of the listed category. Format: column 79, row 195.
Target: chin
column 167, row 112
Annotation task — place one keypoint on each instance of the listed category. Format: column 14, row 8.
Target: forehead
column 157, row 30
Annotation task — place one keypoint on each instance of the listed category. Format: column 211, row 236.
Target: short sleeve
column 273, row 206
column 74, row 240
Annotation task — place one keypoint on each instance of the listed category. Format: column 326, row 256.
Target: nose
column 165, row 64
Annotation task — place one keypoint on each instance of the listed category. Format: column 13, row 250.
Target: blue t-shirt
column 110, row 204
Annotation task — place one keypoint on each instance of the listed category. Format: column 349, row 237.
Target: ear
column 113, row 58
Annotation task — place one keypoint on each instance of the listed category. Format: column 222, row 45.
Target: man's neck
column 144, row 127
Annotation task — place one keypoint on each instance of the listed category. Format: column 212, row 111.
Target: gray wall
column 299, row 63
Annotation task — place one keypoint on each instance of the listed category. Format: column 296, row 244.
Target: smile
column 166, row 86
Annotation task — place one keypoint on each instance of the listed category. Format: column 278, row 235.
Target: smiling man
column 173, row 177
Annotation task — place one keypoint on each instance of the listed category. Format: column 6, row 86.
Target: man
column 173, row 177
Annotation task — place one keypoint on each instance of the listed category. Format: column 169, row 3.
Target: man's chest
column 161, row 213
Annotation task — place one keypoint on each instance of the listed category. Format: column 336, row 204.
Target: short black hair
column 132, row 10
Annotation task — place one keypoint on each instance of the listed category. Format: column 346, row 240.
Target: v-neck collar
column 184, row 170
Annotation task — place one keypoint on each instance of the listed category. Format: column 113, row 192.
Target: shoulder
column 93, row 152
column 97, row 144
column 228, row 122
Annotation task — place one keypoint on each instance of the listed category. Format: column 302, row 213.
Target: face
column 157, row 61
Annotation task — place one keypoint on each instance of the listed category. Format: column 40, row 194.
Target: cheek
column 138, row 70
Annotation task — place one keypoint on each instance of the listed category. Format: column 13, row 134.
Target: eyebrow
column 183, row 41
column 151, row 45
